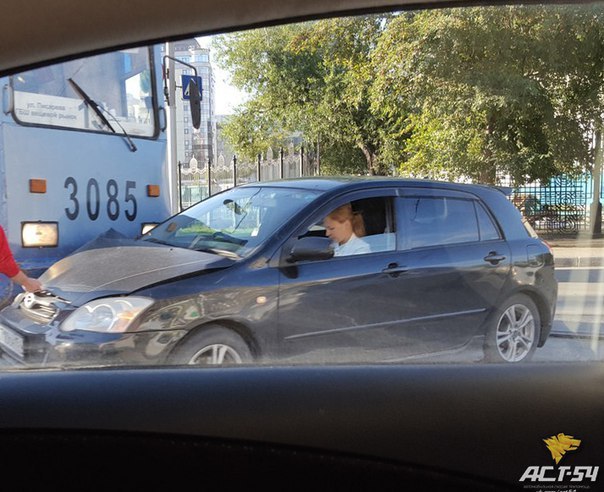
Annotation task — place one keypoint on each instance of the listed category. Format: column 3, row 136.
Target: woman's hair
column 344, row 213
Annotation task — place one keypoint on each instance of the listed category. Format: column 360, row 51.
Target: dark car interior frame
column 403, row 427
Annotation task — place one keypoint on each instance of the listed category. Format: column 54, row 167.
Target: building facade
column 190, row 142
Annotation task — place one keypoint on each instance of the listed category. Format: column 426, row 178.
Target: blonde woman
column 345, row 228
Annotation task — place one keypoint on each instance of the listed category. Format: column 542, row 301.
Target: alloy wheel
column 216, row 354
column 515, row 333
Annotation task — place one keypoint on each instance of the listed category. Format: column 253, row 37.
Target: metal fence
column 561, row 207
column 196, row 183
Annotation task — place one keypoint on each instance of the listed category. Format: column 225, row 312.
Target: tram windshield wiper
column 98, row 110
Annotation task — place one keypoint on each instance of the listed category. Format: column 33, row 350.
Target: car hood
column 94, row 273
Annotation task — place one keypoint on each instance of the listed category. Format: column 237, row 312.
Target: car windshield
column 235, row 222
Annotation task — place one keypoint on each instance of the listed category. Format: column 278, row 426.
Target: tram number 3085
column 97, row 201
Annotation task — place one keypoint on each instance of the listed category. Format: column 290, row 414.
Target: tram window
column 119, row 82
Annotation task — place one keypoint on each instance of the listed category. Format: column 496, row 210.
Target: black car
column 250, row 275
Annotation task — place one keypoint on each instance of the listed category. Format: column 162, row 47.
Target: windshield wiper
column 98, row 110
column 214, row 251
column 220, row 252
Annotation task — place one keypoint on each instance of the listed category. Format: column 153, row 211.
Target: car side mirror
column 311, row 248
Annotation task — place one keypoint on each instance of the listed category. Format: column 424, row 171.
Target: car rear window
column 430, row 221
column 529, row 228
column 488, row 231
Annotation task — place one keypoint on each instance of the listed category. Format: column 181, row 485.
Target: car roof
column 498, row 203
column 343, row 183
column 59, row 29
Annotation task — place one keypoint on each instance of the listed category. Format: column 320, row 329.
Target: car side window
column 432, row 221
column 377, row 218
column 488, row 230
column 379, row 222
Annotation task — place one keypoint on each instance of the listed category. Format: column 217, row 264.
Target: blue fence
column 563, row 206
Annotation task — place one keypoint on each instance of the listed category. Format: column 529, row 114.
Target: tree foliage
column 312, row 77
column 473, row 92
column 493, row 90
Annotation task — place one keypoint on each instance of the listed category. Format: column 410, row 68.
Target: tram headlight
column 39, row 234
column 148, row 226
column 109, row 315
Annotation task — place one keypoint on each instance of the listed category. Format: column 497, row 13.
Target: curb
column 578, row 262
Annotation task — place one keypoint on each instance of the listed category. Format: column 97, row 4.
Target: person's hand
column 31, row 284
column 28, row 284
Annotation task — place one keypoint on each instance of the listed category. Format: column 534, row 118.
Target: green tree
column 486, row 90
column 473, row 92
column 314, row 78
column 251, row 131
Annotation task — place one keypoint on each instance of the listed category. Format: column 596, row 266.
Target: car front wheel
column 213, row 346
column 514, row 331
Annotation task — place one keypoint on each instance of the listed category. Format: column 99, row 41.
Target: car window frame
column 321, row 211
column 402, row 239
column 481, row 204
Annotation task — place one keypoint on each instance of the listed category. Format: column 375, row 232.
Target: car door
column 454, row 263
column 341, row 309
column 431, row 293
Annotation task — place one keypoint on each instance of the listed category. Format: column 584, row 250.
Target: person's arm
column 28, row 283
column 9, row 267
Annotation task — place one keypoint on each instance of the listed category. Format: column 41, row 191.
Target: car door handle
column 395, row 269
column 493, row 258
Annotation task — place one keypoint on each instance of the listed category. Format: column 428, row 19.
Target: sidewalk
column 579, row 311
column 582, row 251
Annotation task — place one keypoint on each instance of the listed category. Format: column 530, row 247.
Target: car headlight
column 110, row 315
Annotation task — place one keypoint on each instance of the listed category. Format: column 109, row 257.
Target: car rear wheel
column 513, row 331
column 213, row 346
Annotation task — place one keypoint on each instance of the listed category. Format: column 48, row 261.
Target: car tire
column 513, row 331
column 212, row 346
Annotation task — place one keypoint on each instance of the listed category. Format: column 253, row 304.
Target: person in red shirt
column 9, row 267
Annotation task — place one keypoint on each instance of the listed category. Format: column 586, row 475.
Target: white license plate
column 11, row 340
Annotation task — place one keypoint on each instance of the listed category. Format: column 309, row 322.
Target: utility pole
column 596, row 207
column 170, row 93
